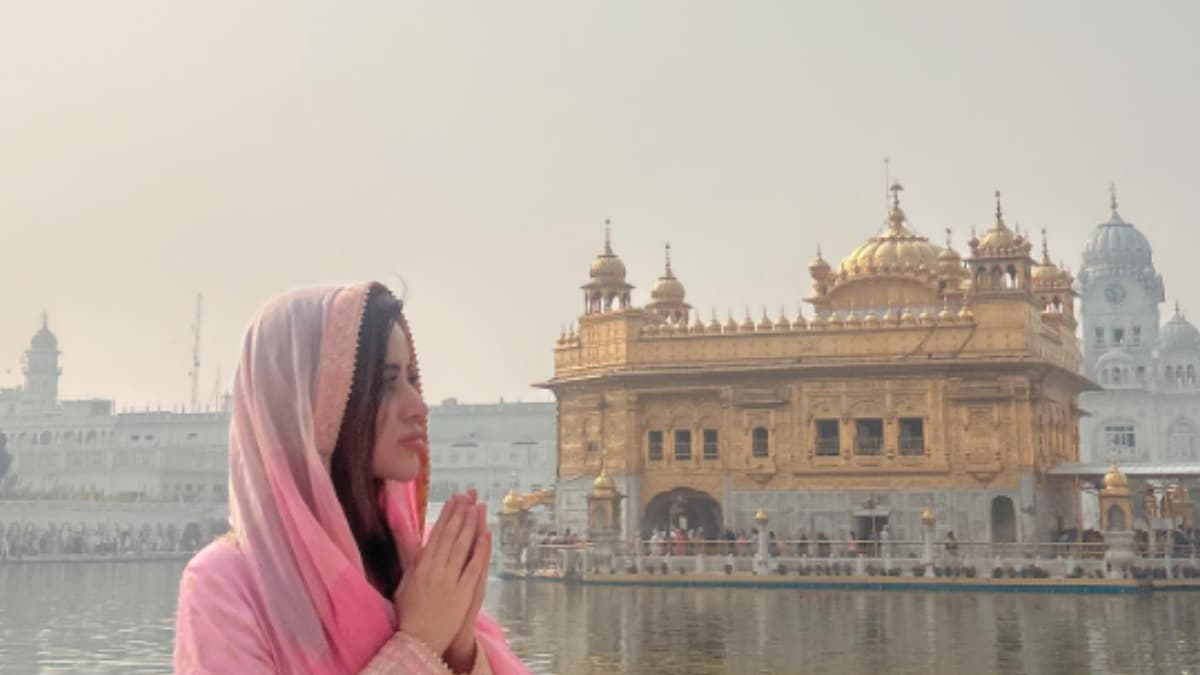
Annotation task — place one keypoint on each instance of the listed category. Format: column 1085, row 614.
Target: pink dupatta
column 312, row 603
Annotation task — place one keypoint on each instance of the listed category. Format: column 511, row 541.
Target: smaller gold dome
column 765, row 325
column 714, row 326
column 604, row 485
column 1045, row 274
column 511, row 503
column 965, row 314
column 731, row 325
column 927, row 516
column 668, row 289
column 871, row 320
column 907, row 318
column 946, row 316
column 853, row 320
column 760, row 516
column 747, row 325
column 819, row 266
column 1115, row 480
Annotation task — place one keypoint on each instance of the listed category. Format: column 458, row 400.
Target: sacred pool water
column 118, row 618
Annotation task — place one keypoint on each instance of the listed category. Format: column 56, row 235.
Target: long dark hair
column 351, row 469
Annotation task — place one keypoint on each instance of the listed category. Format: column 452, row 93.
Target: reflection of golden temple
column 921, row 376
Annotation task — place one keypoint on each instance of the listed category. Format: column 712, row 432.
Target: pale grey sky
column 153, row 150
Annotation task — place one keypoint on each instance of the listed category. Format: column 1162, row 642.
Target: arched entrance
column 1116, row 518
column 1004, row 521
column 684, row 508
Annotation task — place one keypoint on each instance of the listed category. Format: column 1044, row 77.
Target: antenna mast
column 195, row 372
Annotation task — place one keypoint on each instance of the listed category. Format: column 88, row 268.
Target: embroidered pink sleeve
column 216, row 631
column 403, row 654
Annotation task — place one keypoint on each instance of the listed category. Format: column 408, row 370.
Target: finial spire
column 608, row 236
column 669, row 259
column 896, row 189
column 1176, row 308
column 887, row 181
column 1112, row 196
column 999, row 211
column 948, row 233
column 818, row 249
column 1045, row 248
column 45, row 320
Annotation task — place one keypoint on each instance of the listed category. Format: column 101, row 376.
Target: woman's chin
column 402, row 471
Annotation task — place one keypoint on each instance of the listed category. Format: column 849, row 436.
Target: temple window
column 912, row 436
column 1137, row 335
column 1118, row 336
column 683, row 444
column 760, row 442
column 654, row 441
column 711, row 444
column 1191, row 375
column 1182, row 441
column 1120, row 440
column 868, row 437
column 828, row 438
column 1099, row 333
column 1141, row 373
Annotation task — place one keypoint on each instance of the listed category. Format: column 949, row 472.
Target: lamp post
column 760, row 563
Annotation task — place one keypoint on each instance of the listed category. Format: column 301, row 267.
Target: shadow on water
column 119, row 618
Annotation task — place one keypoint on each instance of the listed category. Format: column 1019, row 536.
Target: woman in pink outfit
column 324, row 570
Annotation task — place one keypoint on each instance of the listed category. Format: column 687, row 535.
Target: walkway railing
column 853, row 558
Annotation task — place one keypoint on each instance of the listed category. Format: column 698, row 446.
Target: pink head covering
column 290, row 393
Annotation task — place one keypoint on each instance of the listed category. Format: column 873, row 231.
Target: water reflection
column 118, row 618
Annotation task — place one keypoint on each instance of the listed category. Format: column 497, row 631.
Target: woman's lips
column 412, row 443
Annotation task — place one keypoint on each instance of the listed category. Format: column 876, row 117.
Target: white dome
column 1179, row 334
column 1117, row 243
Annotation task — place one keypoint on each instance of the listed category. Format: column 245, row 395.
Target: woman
column 324, row 570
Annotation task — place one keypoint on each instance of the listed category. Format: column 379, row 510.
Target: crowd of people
column 26, row 539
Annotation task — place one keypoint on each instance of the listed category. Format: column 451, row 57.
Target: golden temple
column 922, row 379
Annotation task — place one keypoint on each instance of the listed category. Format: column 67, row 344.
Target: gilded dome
column 1115, row 481
column 511, row 503
column 668, row 289
column 604, row 485
column 896, row 250
column 607, row 269
column 1000, row 240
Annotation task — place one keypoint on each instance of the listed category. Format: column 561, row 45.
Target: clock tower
column 1120, row 292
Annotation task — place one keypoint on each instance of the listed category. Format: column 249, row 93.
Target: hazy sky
column 153, row 150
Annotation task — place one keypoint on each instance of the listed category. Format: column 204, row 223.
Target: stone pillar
column 761, row 561
column 604, row 521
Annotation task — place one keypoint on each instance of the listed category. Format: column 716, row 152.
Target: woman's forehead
column 397, row 349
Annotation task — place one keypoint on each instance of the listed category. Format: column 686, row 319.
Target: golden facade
column 920, row 380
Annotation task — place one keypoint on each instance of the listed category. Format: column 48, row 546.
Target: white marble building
column 1147, row 415
column 85, row 449
column 492, row 448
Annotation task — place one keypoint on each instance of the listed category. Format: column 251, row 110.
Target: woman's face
column 403, row 416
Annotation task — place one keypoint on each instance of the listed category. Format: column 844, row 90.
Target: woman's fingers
column 465, row 534
column 438, row 535
column 476, row 570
